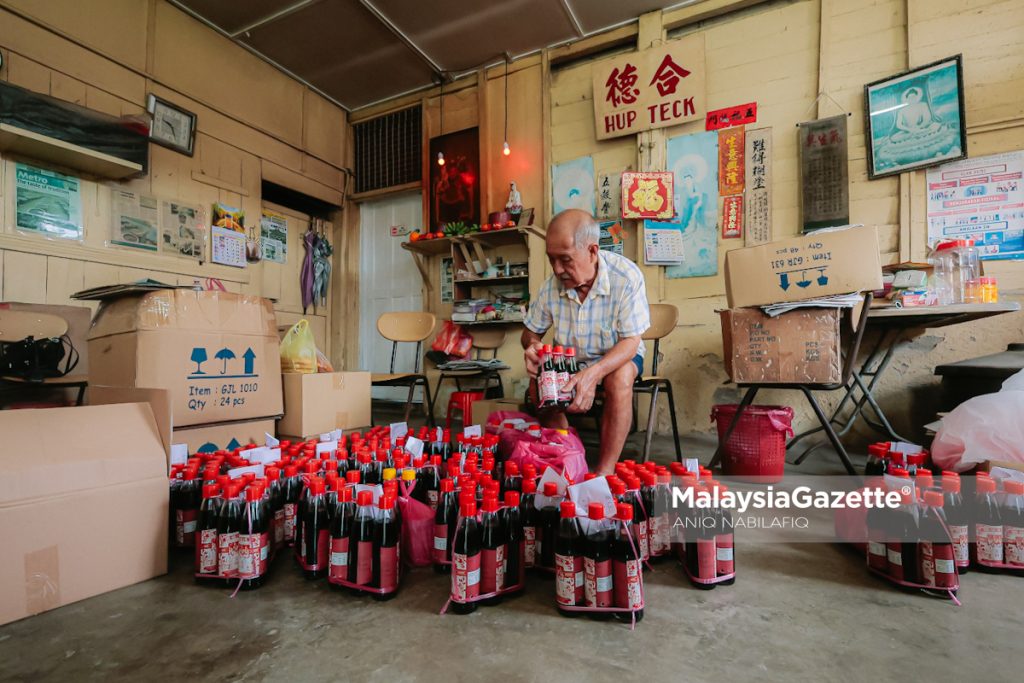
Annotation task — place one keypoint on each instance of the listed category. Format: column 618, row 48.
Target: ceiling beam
column 571, row 16
column 273, row 16
column 406, row 40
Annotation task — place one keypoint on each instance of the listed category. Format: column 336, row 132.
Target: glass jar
column 989, row 290
column 943, row 261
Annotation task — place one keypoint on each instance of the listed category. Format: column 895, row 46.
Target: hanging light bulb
column 440, row 158
column 505, row 150
column 440, row 155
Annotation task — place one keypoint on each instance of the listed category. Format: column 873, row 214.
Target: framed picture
column 916, row 119
column 172, row 126
column 455, row 186
column 525, row 218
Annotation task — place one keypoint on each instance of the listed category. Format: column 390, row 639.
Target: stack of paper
column 837, row 301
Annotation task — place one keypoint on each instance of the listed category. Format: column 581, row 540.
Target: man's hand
column 585, row 383
column 532, row 358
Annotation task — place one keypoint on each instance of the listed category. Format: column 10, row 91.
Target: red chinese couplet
column 732, row 217
column 731, row 174
column 738, row 115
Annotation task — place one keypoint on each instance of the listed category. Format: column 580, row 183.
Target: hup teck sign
column 658, row 87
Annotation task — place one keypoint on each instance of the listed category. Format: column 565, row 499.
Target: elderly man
column 596, row 301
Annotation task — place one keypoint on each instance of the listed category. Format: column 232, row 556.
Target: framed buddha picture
column 916, row 119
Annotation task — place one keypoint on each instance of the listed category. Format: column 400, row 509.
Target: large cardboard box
column 318, row 403
column 83, row 504
column 482, row 409
column 216, row 353
column 822, row 263
column 224, row 435
column 801, row 346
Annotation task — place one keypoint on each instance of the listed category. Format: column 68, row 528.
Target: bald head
column 572, row 248
column 573, row 227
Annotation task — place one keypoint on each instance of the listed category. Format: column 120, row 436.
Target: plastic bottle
column 445, row 518
column 360, row 546
column 186, row 507
column 597, row 564
column 987, row 533
column 492, row 551
column 253, row 540
column 571, row 369
column 275, row 495
column 640, row 519
column 662, row 506
column 316, row 530
column 561, row 377
column 958, row 519
column 547, row 379
column 206, row 532
column 549, row 524
column 229, row 520
column 531, row 521
column 512, row 522
column 877, row 455
column 725, row 558
column 701, row 558
column 1013, row 523
column 902, row 541
column 428, row 481
column 568, row 561
column 341, row 532
column 387, row 534
column 877, row 525
column 512, row 480
column 292, row 488
column 466, row 559
column 626, row 569
column 937, row 567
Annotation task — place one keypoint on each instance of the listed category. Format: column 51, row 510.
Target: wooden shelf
column 493, row 322
column 37, row 146
column 430, row 247
column 505, row 236
column 492, row 280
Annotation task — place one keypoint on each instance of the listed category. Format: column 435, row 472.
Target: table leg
column 748, row 398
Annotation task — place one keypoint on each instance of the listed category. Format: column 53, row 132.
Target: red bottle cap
column 364, row 498
column 983, row 474
column 624, row 512
column 630, row 463
column 273, row 473
column 337, row 484
column 253, row 493
column 447, row 486
column 386, row 503
column 617, row 486
column 435, row 460
column 949, row 473
column 664, row 478
column 511, row 469
column 529, row 486
column 550, row 489
column 467, row 508
column 568, row 509
column 951, row 485
column 986, row 485
column 558, row 350
column 192, row 473
column 210, row 490
column 595, row 511
column 345, row 494
column 589, row 475
column 512, row 499
column 633, row 483
column 570, row 351
column 330, row 475
column 899, row 472
column 1013, row 488
column 677, row 469
column 546, row 349
column 312, row 467
column 933, row 498
column 490, row 503
column 353, row 476
column 924, row 479
column 529, row 469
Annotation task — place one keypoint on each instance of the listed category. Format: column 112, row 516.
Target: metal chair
column 663, row 320
column 486, row 339
column 849, row 360
column 406, row 327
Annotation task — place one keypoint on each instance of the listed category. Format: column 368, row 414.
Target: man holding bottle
column 595, row 301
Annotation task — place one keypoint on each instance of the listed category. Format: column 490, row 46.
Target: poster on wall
column 980, row 199
column 227, row 236
column 730, row 161
column 738, row 115
column 447, row 280
column 182, row 229
column 653, row 88
column 134, row 220
column 274, row 237
column 757, row 205
column 663, row 243
column 455, row 186
column 694, row 161
column 647, row 194
column 609, row 197
column 47, row 203
column 824, row 174
column 732, row 217
column 611, row 237
column 572, row 185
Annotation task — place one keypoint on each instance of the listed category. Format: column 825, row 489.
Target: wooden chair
column 484, row 340
column 406, row 327
column 16, row 326
column 663, row 320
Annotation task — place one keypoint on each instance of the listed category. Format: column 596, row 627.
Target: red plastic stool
column 462, row 400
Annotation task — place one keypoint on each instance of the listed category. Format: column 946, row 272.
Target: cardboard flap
column 159, row 401
column 56, row 451
column 186, row 309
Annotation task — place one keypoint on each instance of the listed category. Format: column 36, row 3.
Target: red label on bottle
column 249, row 564
column 665, row 531
column 432, row 500
column 440, row 551
column 264, row 553
column 1013, row 541
column 577, row 563
column 339, row 558
column 990, row 543
column 185, row 527
column 945, row 565
column 654, row 536
column 626, row 582
column 364, row 562
column 227, row 554
column 707, row 562
column 565, row 579
column 724, row 554
column 644, row 543
column 465, row 577
column 961, row 548
column 562, row 378
column 206, row 552
column 548, row 386
column 530, row 545
column 492, row 570
column 389, row 568
column 279, row 527
column 589, row 583
column 289, row 522
column 927, row 563
column 603, row 583
column 876, row 550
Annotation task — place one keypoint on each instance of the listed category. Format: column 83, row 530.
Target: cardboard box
column 822, row 263
column 318, row 403
column 216, row 353
column 224, row 435
column 159, row 401
column 83, row 504
column 801, row 346
column 481, row 409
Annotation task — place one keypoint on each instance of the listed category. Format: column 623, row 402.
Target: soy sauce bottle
column 1013, row 525
column 877, row 525
column 640, row 517
column 987, row 532
column 937, row 567
column 701, row 559
column 429, row 481
column 568, row 551
column 316, row 530
column 547, row 380
column 253, row 540
column 466, row 559
column 515, row 571
column 206, row 534
column 597, row 564
column 958, row 518
column 902, row 540
column 292, row 489
column 725, row 559
column 341, row 532
column 492, row 551
column 186, row 508
column 549, row 525
column 530, row 518
column 387, row 533
column 561, row 377
column 627, row 573
column 445, row 519
column 512, row 480
column 275, row 499
column 360, row 567
column 229, row 520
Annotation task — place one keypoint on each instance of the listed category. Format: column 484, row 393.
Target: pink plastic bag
column 417, row 531
column 986, row 427
column 563, row 452
column 508, row 438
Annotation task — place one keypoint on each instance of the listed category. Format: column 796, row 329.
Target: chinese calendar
column 730, row 161
column 647, row 195
column 653, row 88
column 609, row 195
column 757, row 203
column 739, row 115
column 824, row 175
column 732, row 217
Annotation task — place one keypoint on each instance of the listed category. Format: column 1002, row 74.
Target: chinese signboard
column 609, row 195
column 739, row 115
column 647, row 195
column 825, row 196
column 730, row 161
column 658, row 87
column 732, row 217
column 757, row 220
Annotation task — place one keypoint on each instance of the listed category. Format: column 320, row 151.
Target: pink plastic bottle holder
column 935, row 591
column 484, row 596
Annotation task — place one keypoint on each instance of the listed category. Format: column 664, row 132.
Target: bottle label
column 895, row 557
column 877, row 549
column 565, row 579
column 389, row 568
column 264, row 552
column 548, row 387
column 249, row 556
column 945, row 566
column 603, row 583
column 665, row 532
column 364, row 562
column 626, row 584
column 289, row 522
column 580, row 578
column 465, row 577
column 645, row 548
column 185, row 527
column 530, row 550
column 1014, row 542
column 339, row 558
column 589, row 582
column 707, row 564
column 206, row 552
column 927, row 564
column 654, row 536
column 440, row 540
column 563, row 378
column 279, row 526
column 432, row 500
column 724, row 554
column 492, row 569
column 227, row 553
column 961, row 548
column 990, row 543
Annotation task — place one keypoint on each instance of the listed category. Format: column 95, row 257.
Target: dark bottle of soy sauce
column 512, row 480
column 958, row 519
column 229, row 520
column 492, row 551
column 515, row 551
column 701, row 559
column 561, row 377
column 568, row 547
column 445, row 518
column 316, row 530
column 253, row 539
column 627, row 573
column 530, row 518
column 206, row 533
column 360, row 567
column 902, row 543
column 597, row 564
column 341, row 531
column 465, row 585
column 549, row 525
column 987, row 531
column 937, row 567
column 725, row 559
column 387, row 533
column 292, row 489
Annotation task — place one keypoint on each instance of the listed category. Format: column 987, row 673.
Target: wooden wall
column 254, row 123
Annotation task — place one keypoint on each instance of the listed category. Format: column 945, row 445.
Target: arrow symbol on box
column 784, row 281
column 250, row 359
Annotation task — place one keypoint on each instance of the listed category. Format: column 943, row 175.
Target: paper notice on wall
column 609, row 196
column 183, row 231
column 274, row 237
column 47, row 203
column 757, row 207
column 227, row 247
column 134, row 220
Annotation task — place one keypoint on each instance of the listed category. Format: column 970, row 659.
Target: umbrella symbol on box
column 224, row 355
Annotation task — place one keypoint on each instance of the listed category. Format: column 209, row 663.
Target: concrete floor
column 797, row 612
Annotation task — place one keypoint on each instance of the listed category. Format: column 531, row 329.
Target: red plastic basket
column 757, row 446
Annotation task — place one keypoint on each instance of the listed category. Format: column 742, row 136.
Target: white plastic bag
column 987, row 427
